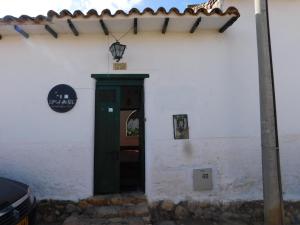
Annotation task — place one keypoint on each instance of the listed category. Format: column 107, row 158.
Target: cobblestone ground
column 48, row 224
column 201, row 222
column 169, row 222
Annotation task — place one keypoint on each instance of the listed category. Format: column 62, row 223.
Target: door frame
column 122, row 80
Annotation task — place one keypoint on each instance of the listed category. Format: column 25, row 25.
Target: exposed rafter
column 228, row 24
column 51, row 31
column 165, row 26
column 104, row 27
column 135, row 25
column 73, row 28
column 21, row 31
column 195, row 25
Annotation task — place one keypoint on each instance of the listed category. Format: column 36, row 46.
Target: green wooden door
column 107, row 140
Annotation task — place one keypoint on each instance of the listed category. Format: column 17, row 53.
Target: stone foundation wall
column 242, row 213
column 52, row 211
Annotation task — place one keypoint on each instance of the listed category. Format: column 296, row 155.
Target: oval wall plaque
column 62, row 98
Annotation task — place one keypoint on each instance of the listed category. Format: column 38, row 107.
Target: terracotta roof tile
column 65, row 13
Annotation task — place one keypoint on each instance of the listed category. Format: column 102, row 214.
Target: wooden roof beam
column 51, row 31
column 104, row 27
column 73, row 28
column 228, row 24
column 135, row 25
column 195, row 25
column 165, row 26
column 21, row 31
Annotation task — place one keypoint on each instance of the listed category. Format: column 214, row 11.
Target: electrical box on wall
column 202, row 179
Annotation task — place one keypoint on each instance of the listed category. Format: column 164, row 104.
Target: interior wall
column 126, row 140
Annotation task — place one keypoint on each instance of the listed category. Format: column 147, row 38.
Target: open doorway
column 119, row 157
column 130, row 146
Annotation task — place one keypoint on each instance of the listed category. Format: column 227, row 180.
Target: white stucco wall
column 211, row 77
column 286, row 48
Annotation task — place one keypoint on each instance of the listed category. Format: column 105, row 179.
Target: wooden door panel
column 107, row 143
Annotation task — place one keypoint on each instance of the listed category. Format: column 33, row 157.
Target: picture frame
column 180, row 126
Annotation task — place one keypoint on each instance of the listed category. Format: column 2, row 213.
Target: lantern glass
column 117, row 50
column 112, row 50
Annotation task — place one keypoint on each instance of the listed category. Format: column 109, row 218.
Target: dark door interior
column 130, row 146
column 119, row 139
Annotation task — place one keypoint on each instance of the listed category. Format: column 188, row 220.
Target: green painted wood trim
column 138, row 82
column 119, row 76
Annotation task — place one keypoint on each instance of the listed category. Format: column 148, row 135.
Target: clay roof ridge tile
column 52, row 13
column 161, row 10
column 148, row 10
column 189, row 11
column 79, row 13
column 120, row 12
column 92, row 12
column 174, row 10
column 106, row 12
column 65, row 13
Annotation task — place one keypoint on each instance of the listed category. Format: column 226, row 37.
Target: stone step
column 115, row 199
column 120, row 211
column 82, row 220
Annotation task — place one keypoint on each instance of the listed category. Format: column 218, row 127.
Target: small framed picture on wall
column 180, row 126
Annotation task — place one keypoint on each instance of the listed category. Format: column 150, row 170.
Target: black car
column 17, row 203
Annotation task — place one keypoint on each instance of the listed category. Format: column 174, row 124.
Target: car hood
column 11, row 191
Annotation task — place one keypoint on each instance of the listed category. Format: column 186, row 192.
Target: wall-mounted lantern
column 117, row 50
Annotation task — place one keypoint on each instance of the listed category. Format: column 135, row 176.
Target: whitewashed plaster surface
column 211, row 77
